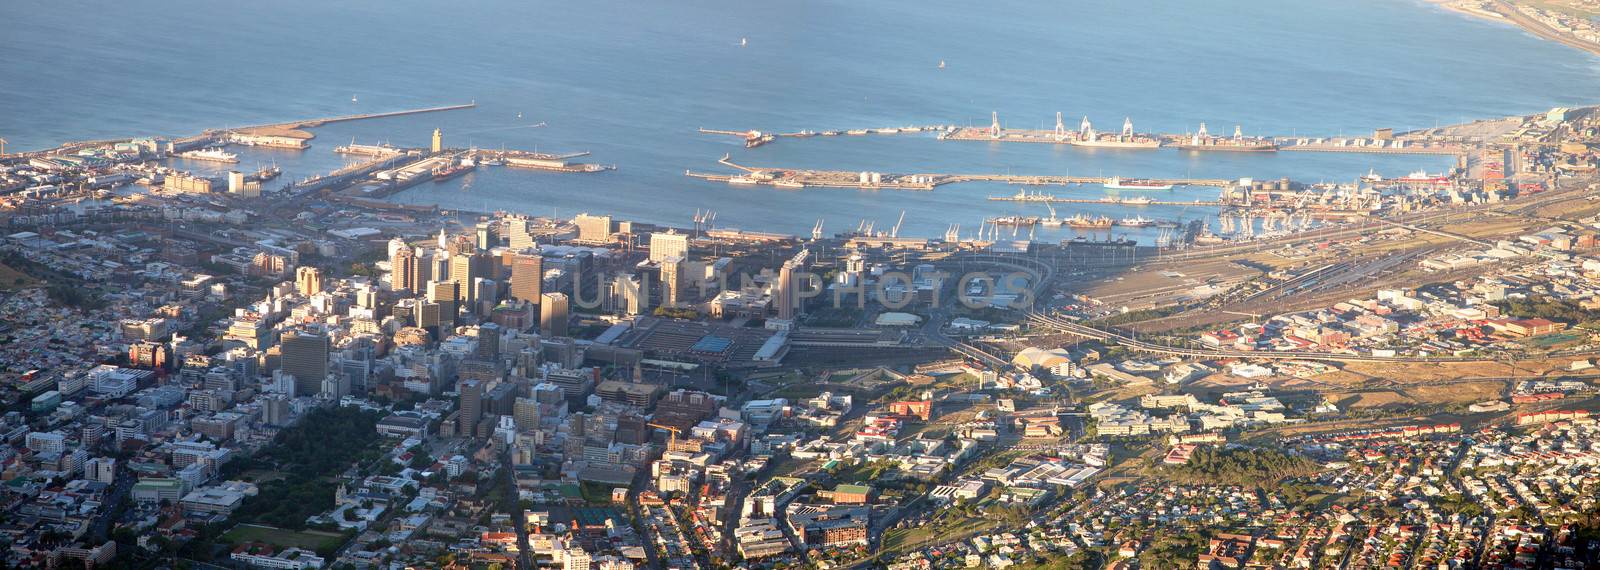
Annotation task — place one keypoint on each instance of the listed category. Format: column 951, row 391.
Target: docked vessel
column 790, row 184
column 1422, row 177
column 1137, row 201
column 448, row 172
column 1118, row 183
column 211, row 154
column 1052, row 221
column 1087, row 137
column 1021, row 221
column 1081, row 221
column 742, row 181
column 1203, row 141
column 1136, row 222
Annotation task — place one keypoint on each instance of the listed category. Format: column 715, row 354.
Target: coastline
column 1504, row 12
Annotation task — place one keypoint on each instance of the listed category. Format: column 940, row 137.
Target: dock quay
column 793, row 179
column 1046, row 199
column 312, row 123
column 754, row 138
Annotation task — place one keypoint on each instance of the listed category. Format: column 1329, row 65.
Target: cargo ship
column 1117, row 183
column 211, row 154
column 1083, row 222
column 1422, row 177
column 448, row 172
column 1087, row 137
column 1203, row 141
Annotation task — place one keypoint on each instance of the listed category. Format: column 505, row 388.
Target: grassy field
column 10, row 279
column 309, row 539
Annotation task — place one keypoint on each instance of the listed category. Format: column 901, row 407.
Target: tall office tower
column 447, row 295
column 488, row 341
column 403, row 270
column 485, row 294
column 428, row 315
column 305, row 356
column 465, row 270
column 308, row 280
column 527, row 276
column 784, row 296
column 668, row 244
column 434, row 265
column 627, row 295
column 553, row 314
column 519, row 232
column 471, row 407
column 593, row 229
column 671, row 281
column 485, row 236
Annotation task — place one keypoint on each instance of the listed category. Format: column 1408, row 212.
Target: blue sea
column 631, row 81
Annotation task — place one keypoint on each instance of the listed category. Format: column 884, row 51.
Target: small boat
column 742, row 181
column 791, row 184
column 352, row 98
column 1052, row 221
column 1137, row 201
column 1084, row 222
column 1136, row 222
column 744, row 42
column 1372, row 176
column 941, row 64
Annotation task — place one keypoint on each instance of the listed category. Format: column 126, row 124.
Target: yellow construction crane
column 673, row 443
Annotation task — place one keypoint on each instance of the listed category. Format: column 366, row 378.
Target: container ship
column 211, row 154
column 1118, row 183
column 1087, row 137
column 1203, row 141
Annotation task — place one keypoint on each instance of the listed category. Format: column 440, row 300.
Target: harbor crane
column 816, row 231
column 894, row 233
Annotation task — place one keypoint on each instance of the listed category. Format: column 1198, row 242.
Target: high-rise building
column 447, row 295
column 668, row 244
column 485, row 236
column 671, row 281
column 553, row 314
column 471, row 407
column 308, row 280
column 488, row 341
column 525, row 411
column 305, row 356
column 593, row 229
column 485, row 294
column 403, row 270
column 527, row 276
column 627, row 295
column 788, row 285
column 519, row 233
column 465, row 270
column 427, row 315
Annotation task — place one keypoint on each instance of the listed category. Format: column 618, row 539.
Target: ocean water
column 631, row 81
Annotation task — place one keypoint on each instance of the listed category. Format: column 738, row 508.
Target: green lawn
column 309, row 539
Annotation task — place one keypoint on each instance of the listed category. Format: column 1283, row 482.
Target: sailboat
column 744, row 41
column 941, row 64
column 352, row 98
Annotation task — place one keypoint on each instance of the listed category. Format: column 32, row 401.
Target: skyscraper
column 305, row 356
column 308, row 280
column 488, row 341
column 667, row 245
column 671, row 281
column 465, row 269
column 485, row 236
column 527, row 276
column 471, row 407
column 403, row 269
column 787, row 295
column 447, row 295
column 553, row 314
